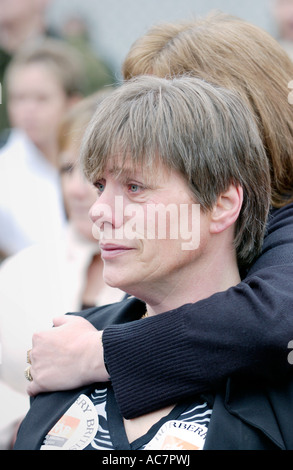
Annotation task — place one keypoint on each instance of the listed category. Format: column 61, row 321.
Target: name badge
column 178, row 435
column 75, row 429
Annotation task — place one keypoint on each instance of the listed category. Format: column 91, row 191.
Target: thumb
column 62, row 320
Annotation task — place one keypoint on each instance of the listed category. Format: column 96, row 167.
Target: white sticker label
column 178, row 435
column 75, row 429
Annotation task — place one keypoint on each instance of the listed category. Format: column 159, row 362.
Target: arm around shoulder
column 189, row 350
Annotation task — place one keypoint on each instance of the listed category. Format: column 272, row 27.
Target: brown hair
column 236, row 55
column 62, row 59
column 203, row 131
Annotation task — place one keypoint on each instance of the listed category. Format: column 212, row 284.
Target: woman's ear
column 226, row 210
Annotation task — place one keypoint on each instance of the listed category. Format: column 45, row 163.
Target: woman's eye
column 100, row 186
column 133, row 188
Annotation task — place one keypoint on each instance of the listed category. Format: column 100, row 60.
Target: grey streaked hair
column 203, row 131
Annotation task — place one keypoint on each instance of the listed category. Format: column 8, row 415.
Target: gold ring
column 28, row 359
column 27, row 374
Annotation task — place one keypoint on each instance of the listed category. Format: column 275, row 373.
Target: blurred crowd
column 50, row 262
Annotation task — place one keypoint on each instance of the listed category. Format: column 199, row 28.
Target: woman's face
column 78, row 193
column 36, row 102
column 149, row 229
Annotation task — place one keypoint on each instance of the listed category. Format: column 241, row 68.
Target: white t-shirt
column 31, row 204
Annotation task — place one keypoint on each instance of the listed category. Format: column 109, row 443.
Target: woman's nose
column 107, row 209
column 101, row 213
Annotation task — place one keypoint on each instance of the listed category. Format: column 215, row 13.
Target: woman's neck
column 197, row 285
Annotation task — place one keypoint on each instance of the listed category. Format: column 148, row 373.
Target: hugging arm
column 159, row 360
column 246, row 329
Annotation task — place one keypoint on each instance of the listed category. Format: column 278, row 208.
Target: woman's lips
column 110, row 250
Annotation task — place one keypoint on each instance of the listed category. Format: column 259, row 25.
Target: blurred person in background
column 61, row 276
column 20, row 22
column 282, row 13
column 244, row 330
column 43, row 80
column 98, row 71
column 24, row 22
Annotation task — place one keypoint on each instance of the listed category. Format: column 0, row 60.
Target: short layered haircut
column 202, row 131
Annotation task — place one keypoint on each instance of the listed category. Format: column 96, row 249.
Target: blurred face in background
column 283, row 15
column 12, row 10
column 78, row 194
column 36, row 102
column 20, row 20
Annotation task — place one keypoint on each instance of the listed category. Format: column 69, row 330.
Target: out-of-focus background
column 114, row 25
column 54, row 54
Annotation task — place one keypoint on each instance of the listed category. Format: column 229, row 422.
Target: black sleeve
column 160, row 360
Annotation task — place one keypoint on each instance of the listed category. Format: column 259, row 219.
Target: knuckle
column 36, row 337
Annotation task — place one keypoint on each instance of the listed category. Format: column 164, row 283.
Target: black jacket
column 193, row 348
column 246, row 415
